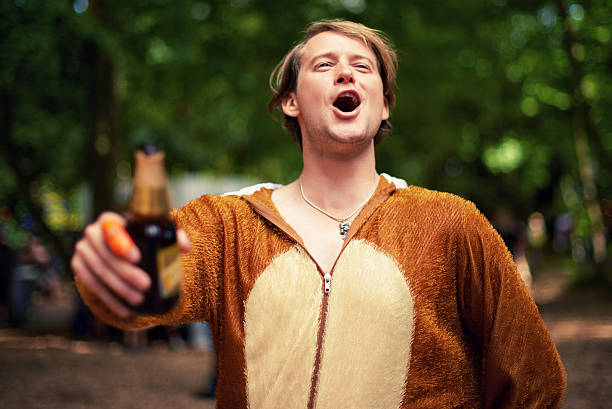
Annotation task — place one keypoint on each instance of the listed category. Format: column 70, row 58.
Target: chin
column 348, row 147
column 352, row 138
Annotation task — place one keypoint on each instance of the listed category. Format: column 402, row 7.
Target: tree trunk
column 584, row 131
column 102, row 128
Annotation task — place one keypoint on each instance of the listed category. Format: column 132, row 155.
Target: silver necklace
column 344, row 224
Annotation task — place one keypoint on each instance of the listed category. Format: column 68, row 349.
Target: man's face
column 339, row 97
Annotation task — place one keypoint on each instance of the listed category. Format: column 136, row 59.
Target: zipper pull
column 327, row 279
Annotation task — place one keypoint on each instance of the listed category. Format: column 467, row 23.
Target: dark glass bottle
column 153, row 231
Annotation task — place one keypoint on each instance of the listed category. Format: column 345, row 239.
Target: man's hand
column 104, row 262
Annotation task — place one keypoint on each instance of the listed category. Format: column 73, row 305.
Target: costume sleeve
column 520, row 364
column 201, row 272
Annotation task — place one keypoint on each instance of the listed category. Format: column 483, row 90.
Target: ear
column 385, row 111
column 290, row 105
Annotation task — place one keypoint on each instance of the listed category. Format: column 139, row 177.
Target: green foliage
column 484, row 110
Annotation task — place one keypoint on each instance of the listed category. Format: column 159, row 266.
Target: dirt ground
column 44, row 368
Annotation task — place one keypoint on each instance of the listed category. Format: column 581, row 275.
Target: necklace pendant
column 344, row 228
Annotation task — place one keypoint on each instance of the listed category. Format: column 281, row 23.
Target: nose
column 344, row 74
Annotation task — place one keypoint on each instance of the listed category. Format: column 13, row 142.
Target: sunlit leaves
column 505, row 157
column 547, row 95
column 484, row 102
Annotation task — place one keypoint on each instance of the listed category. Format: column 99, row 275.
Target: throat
column 343, row 220
column 322, row 241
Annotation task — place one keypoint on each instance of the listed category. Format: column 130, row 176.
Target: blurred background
column 504, row 103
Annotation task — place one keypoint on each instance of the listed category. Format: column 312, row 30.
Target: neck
column 337, row 183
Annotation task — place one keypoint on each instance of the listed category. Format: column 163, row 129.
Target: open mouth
column 347, row 101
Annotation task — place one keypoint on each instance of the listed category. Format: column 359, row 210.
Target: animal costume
column 425, row 308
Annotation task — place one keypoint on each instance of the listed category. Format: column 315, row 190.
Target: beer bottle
column 150, row 226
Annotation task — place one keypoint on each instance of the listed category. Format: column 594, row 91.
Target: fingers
column 183, row 241
column 83, row 273
column 104, row 260
column 114, row 280
column 115, row 277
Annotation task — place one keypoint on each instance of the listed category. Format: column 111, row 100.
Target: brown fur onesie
column 425, row 308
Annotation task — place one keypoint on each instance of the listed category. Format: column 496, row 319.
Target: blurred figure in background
column 8, row 259
column 513, row 231
column 564, row 224
column 199, row 337
column 33, row 270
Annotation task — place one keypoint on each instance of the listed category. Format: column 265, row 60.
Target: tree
column 491, row 97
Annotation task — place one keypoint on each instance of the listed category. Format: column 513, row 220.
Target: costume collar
column 260, row 199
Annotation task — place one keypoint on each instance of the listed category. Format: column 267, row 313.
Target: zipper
column 270, row 215
column 322, row 322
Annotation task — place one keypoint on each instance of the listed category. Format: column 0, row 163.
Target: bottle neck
column 150, row 202
column 150, row 195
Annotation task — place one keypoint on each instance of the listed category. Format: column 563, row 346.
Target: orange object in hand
column 117, row 238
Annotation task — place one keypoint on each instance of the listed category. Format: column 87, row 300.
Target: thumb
column 183, row 241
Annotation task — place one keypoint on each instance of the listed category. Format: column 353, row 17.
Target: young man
column 345, row 288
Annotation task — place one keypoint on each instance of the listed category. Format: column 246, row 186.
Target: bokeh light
column 239, row 3
column 576, row 11
column 27, row 221
column 547, row 16
column 354, row 6
column 536, row 229
column 124, row 171
column 530, row 106
column 603, row 34
column 200, row 11
column 6, row 213
column 80, row 6
column 505, row 157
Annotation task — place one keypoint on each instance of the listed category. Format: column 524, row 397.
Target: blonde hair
column 283, row 79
